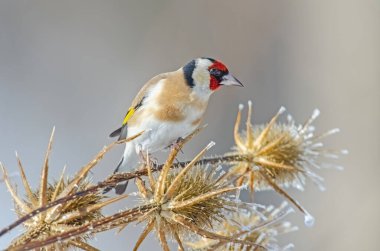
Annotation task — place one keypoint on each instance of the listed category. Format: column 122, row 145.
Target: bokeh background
column 78, row 64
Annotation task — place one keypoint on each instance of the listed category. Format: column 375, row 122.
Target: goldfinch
column 169, row 107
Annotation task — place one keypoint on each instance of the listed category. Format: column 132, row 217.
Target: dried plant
column 258, row 224
column 194, row 203
column 187, row 201
column 280, row 154
column 63, row 217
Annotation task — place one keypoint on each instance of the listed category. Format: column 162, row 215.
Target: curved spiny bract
column 259, row 225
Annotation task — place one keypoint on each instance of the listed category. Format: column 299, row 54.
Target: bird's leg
column 151, row 160
column 140, row 152
column 176, row 144
column 145, row 157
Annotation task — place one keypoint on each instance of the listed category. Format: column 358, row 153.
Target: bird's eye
column 216, row 72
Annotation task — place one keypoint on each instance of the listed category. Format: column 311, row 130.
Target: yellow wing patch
column 129, row 115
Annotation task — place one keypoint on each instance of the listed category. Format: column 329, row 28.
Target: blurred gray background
column 78, row 64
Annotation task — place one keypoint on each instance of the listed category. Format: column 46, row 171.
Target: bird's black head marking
column 211, row 59
column 188, row 70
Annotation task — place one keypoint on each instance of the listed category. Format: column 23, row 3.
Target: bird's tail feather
column 119, row 188
column 122, row 132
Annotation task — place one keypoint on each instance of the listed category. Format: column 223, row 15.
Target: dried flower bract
column 258, row 224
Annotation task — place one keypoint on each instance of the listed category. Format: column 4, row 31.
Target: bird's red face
column 219, row 75
column 217, row 70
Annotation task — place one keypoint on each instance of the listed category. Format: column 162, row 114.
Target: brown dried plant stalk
column 179, row 201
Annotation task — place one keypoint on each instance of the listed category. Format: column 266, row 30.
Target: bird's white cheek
column 201, row 77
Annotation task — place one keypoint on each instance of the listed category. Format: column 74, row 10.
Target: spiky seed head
column 285, row 152
column 42, row 222
column 68, row 217
column 186, row 202
column 193, row 199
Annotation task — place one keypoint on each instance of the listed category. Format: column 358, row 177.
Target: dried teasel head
column 280, row 154
column 186, row 202
column 257, row 224
column 58, row 219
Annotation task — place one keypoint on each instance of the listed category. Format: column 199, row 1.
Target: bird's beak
column 230, row 80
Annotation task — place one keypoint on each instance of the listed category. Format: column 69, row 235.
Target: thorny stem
column 119, row 177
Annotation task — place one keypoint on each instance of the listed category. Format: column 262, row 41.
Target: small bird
column 169, row 107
